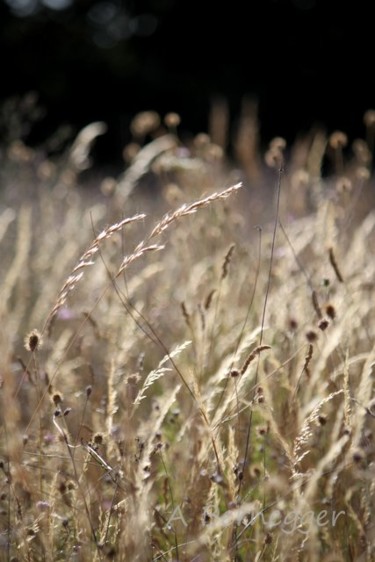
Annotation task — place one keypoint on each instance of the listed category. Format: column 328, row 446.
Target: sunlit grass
column 187, row 350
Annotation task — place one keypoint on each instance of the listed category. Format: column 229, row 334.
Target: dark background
column 305, row 62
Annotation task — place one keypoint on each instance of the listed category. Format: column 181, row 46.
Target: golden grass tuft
column 205, row 387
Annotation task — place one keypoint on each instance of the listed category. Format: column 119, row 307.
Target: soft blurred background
column 301, row 63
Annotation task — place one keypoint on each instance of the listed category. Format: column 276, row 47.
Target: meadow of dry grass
column 187, row 374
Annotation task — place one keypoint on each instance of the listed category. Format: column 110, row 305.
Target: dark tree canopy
column 305, row 62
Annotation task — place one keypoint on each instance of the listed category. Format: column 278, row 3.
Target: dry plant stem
column 161, row 227
column 224, row 273
column 334, row 264
column 173, row 504
column 242, row 331
column 129, row 307
column 297, row 259
column 78, row 480
column 247, row 441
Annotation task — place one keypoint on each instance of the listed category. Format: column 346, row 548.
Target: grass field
column 187, row 350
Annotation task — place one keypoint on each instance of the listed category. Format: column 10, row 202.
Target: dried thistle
column 338, row 140
column 323, row 324
column 144, row 123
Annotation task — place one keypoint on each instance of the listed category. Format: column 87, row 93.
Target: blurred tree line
column 303, row 61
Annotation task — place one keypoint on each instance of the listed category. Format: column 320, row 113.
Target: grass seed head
column 33, row 341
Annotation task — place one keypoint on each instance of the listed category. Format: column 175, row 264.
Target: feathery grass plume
column 142, row 164
column 191, row 208
column 306, row 431
column 102, row 471
column 160, row 371
column 78, row 156
column 330, row 458
column 6, row 218
column 252, row 356
column 221, row 375
column 21, row 253
column 139, row 251
column 305, row 367
column 86, row 260
column 112, row 406
column 363, row 395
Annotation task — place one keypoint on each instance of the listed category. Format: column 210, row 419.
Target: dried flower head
column 201, row 140
column 108, row 186
column 362, row 173
column 323, row 324
column 274, row 157
column 311, row 336
column 343, row 185
column 369, row 118
column 322, row 419
column 130, row 152
column 278, row 143
column 144, row 123
column 300, row 179
column 172, row 120
column 33, row 341
column 338, row 140
column 98, row 438
column 358, row 456
column 330, row 311
column 57, row 398
column 361, row 151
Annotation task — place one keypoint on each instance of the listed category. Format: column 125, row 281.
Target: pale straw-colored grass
column 193, row 387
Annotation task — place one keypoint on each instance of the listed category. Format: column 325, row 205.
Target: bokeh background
column 302, row 62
